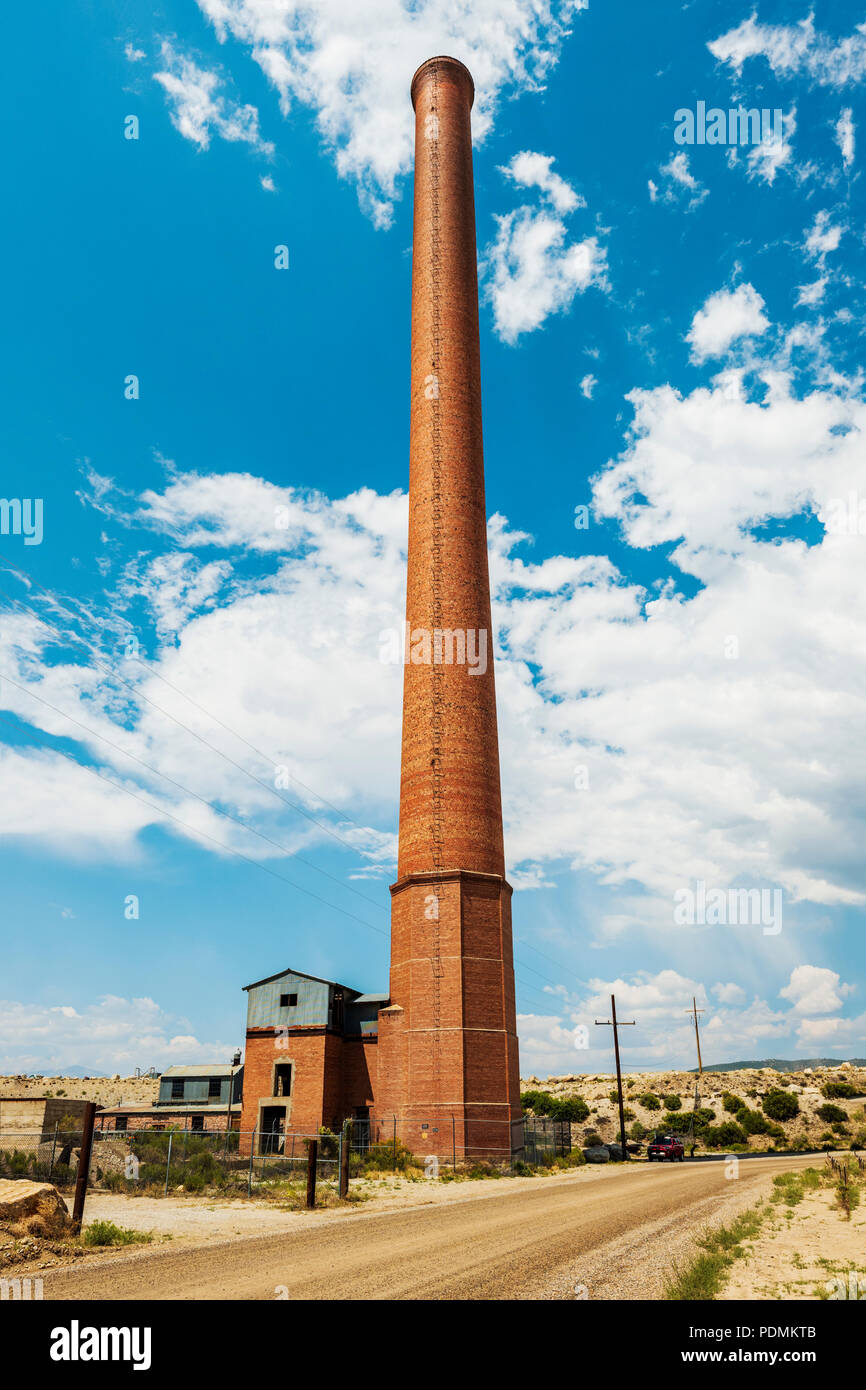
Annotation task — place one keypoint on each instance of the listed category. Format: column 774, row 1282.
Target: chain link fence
column 235, row 1162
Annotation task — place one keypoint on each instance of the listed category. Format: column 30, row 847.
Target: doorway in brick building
column 273, row 1136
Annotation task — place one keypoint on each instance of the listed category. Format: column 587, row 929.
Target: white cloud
column 794, row 49
column 813, row 989
column 809, row 295
column 531, row 170
column 133, row 54
column 845, row 136
column 197, row 110
column 268, row 183
column 822, row 238
column 113, row 1035
column 729, row 993
column 727, row 316
column 588, row 385
column 352, row 64
column 772, row 154
column 531, row 270
column 679, row 180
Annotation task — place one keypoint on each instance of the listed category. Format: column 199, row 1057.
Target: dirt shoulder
column 807, row 1251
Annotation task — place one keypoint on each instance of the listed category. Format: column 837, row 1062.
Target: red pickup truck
column 665, row 1146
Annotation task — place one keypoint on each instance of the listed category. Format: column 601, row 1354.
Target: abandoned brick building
column 437, row 1058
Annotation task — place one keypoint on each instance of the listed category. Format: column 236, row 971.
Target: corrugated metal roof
column 303, row 975
column 371, row 999
column 215, row 1069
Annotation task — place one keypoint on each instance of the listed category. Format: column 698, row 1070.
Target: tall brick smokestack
column 448, row 1042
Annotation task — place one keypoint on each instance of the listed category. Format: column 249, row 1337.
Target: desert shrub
column 106, row 1233
column 638, row 1131
column 592, row 1139
column 753, row 1122
column 672, row 1103
column 732, row 1103
column 779, row 1105
column 840, row 1090
column 831, row 1114
column 627, row 1114
column 539, row 1102
column 724, row 1135
column 570, row 1108
column 649, row 1101
column 613, row 1097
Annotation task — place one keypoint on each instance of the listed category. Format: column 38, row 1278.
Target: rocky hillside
column 738, row 1109
column 113, row 1090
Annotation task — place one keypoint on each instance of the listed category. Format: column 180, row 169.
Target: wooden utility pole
column 612, row 1023
column 694, row 1011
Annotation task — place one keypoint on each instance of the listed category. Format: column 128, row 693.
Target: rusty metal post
column 312, row 1159
column 83, row 1174
column 345, row 1146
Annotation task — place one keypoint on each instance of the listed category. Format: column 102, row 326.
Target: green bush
column 753, row 1122
column 627, row 1114
column 638, row 1131
column 106, row 1233
column 557, row 1107
column 732, row 1103
column 672, row 1103
column 649, row 1101
column 840, row 1090
column 592, row 1139
column 571, row 1108
column 779, row 1105
column 539, row 1102
column 725, row 1135
column 831, row 1114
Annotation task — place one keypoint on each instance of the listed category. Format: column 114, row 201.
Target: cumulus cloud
column 112, row 1035
column 795, row 49
column 531, row 270
column 815, row 990
column 198, row 110
column 351, row 64
column 727, row 316
column 588, row 385
column 733, row 1027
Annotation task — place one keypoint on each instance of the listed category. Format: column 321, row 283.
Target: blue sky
column 670, row 337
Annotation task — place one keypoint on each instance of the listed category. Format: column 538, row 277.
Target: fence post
column 345, row 1146
column 83, row 1175
column 53, row 1152
column 312, row 1158
column 168, row 1161
column 252, row 1154
column 394, row 1158
column 453, row 1147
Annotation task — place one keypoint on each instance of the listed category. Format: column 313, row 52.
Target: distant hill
column 781, row 1064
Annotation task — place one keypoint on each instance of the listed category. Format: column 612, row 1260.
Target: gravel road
column 614, row 1237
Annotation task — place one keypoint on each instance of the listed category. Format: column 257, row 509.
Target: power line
column 159, row 676
column 193, row 830
column 188, row 790
column 114, row 675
